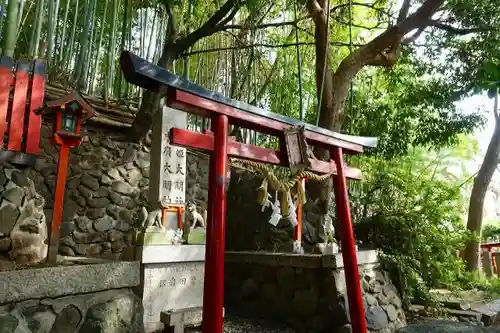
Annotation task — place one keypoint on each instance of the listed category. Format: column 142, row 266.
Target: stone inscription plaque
column 170, row 286
column 168, row 163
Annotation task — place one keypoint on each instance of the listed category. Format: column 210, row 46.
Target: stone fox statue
column 29, row 235
column 194, row 219
column 151, row 219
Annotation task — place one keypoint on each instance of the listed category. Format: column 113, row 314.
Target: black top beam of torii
column 143, row 73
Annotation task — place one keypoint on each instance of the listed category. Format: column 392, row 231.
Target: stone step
column 176, row 320
column 452, row 312
column 446, row 326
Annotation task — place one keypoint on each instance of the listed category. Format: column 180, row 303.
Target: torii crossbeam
column 190, row 97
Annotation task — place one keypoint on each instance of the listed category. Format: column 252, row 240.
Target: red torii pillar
column 187, row 96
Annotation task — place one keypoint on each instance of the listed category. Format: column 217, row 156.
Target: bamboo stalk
column 93, row 77
column 69, row 54
column 10, row 31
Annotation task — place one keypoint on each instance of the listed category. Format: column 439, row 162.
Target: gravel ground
column 240, row 325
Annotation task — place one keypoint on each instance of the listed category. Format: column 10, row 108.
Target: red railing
column 22, row 89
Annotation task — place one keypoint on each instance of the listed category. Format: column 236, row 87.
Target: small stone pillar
column 168, row 165
column 172, row 276
column 497, row 262
column 486, row 257
column 172, row 279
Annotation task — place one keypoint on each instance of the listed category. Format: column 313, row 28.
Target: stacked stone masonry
column 77, row 296
column 112, row 311
column 107, row 186
column 307, row 294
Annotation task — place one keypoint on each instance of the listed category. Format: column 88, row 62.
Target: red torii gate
column 189, row 97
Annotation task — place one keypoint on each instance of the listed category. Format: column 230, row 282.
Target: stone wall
column 71, row 298
column 308, row 291
column 107, row 186
column 248, row 227
column 113, row 311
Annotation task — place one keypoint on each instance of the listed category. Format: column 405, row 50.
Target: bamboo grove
column 254, row 59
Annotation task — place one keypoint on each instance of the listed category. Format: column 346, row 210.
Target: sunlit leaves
column 412, row 208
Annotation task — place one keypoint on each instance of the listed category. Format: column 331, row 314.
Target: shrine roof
column 114, row 114
column 74, row 96
column 143, row 73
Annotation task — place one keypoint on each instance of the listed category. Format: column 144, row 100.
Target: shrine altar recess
column 186, row 96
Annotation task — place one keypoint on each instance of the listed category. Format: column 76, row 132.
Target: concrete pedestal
column 172, row 278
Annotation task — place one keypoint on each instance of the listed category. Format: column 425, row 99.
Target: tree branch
column 224, row 14
column 241, row 47
column 459, row 31
column 261, row 26
column 316, row 11
column 413, row 37
column 377, row 26
column 171, row 28
column 382, row 50
column 404, row 10
column 367, row 5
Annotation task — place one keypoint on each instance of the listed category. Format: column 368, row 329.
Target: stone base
column 112, row 311
column 173, row 277
column 308, row 292
column 196, row 237
column 154, row 236
column 58, row 281
column 83, row 295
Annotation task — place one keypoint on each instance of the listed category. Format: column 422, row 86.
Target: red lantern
column 69, row 113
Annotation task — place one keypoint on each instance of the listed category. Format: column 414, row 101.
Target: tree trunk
column 382, row 51
column 478, row 194
column 173, row 48
column 150, row 101
column 332, row 91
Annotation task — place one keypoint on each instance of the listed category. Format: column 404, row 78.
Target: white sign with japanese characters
column 170, row 286
column 168, row 162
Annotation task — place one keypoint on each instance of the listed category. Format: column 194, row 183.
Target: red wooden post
column 353, row 283
column 300, row 204
column 213, row 292
column 69, row 112
column 6, row 80
column 35, row 121
column 16, row 126
column 62, row 175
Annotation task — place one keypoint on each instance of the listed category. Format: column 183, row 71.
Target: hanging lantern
column 69, row 113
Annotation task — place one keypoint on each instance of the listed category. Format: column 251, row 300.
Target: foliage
column 412, row 208
column 491, row 232
column 407, row 107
